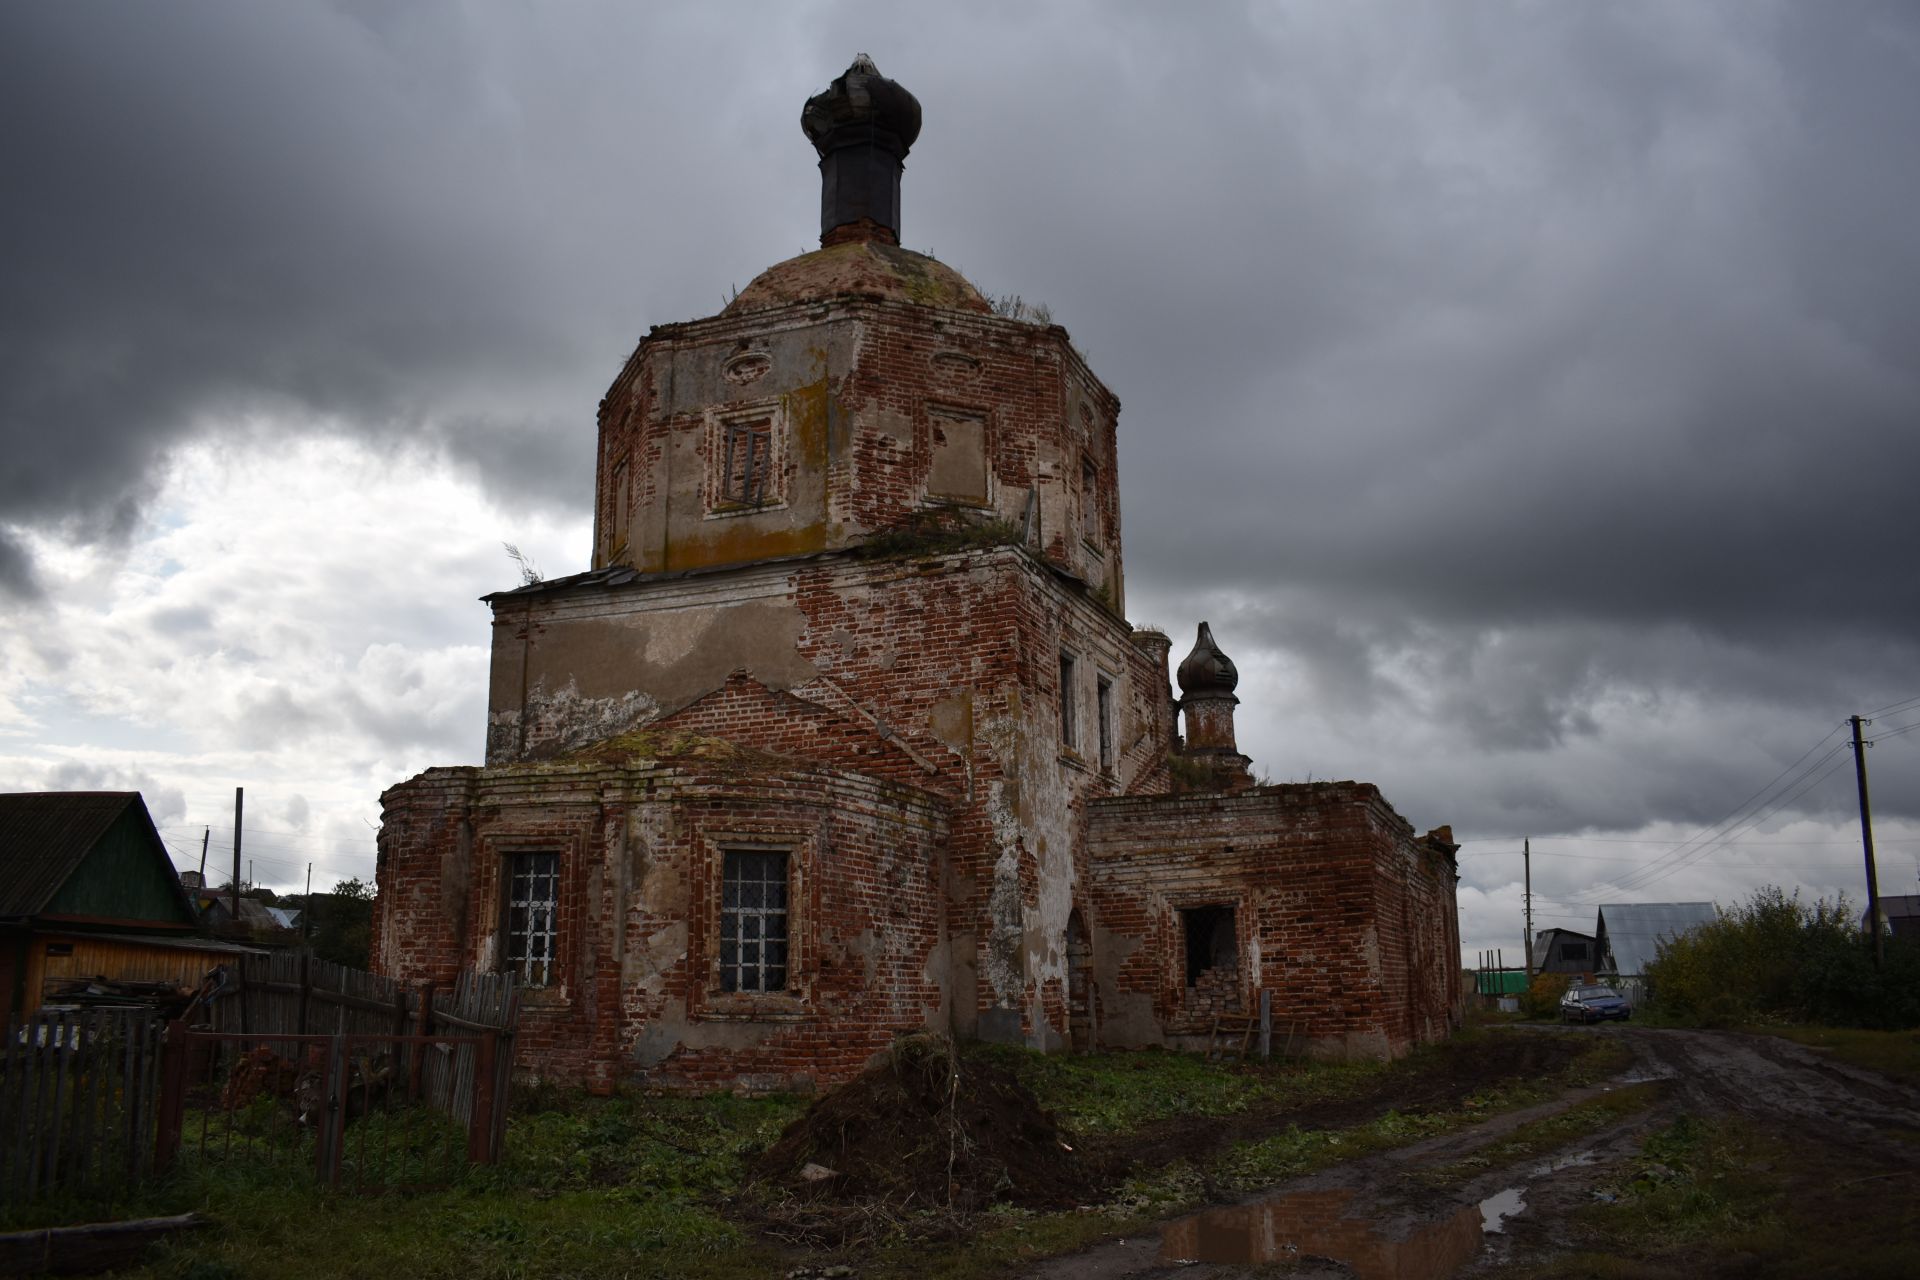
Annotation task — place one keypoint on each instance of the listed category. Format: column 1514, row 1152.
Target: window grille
column 753, row 921
column 749, row 462
column 533, row 910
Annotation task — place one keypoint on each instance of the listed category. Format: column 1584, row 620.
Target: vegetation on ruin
column 936, row 532
column 1011, row 306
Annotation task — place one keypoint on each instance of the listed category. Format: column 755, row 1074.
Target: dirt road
column 1830, row 1144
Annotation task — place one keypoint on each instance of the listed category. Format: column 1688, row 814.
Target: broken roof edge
column 1348, row 790
column 699, row 760
column 800, row 314
column 620, row 575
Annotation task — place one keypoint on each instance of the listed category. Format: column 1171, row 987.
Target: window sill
column 733, row 1006
column 545, row 999
column 1075, row 761
column 728, row 510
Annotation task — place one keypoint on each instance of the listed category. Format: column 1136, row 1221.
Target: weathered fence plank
column 75, row 1097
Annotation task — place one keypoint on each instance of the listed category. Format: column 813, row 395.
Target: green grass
column 651, row 1186
column 1104, row 1094
column 1893, row 1053
column 1722, row 1197
column 1551, row 1133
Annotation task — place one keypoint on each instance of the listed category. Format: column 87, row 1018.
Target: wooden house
column 87, row 891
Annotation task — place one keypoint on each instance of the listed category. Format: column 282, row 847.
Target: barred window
column 748, row 463
column 753, row 921
column 533, row 909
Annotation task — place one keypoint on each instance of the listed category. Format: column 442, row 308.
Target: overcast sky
column 1529, row 394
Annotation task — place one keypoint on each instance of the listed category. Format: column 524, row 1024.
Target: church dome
column 1207, row 671
column 862, row 268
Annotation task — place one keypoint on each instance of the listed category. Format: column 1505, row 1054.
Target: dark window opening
column 749, row 462
column 1573, row 951
column 753, row 921
column 1089, row 501
column 533, row 916
column 1210, row 940
column 1104, row 708
column 622, row 506
column 1069, row 726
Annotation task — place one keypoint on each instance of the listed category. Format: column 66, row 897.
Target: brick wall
column 859, row 387
column 641, row 831
column 1340, row 913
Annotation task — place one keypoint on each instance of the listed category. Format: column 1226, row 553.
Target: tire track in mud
column 1771, row 1081
column 1776, row 1081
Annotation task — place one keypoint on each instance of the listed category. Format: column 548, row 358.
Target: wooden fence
column 78, row 1094
column 81, row 1091
column 284, row 994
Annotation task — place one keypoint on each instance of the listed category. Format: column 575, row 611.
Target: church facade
column 845, row 734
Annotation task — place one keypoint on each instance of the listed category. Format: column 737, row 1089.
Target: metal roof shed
column 1630, row 933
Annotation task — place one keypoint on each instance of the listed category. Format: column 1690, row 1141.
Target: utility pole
column 306, row 908
column 1866, row 839
column 206, row 834
column 1526, row 859
column 239, row 799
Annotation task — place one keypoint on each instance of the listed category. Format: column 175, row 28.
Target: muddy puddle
column 1317, row 1224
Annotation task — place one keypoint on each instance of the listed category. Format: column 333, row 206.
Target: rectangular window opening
column 1104, row 708
column 622, row 505
column 533, row 912
column 753, row 921
column 748, row 463
column 1089, row 501
column 1211, row 945
column 1069, row 723
column 1573, row 951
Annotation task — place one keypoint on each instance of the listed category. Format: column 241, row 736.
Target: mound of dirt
column 925, row 1126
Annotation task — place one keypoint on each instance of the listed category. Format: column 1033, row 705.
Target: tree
column 343, row 923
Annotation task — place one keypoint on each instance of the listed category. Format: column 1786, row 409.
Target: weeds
column 938, row 532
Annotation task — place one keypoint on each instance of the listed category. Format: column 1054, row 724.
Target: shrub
column 1777, row 958
column 1542, row 996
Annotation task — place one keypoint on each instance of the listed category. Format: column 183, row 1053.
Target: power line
column 1682, row 859
column 1706, row 839
column 1890, row 708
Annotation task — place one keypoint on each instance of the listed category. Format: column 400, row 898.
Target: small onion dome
column 1207, row 671
column 865, row 100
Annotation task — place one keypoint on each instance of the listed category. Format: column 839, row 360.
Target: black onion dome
column 862, row 99
column 1207, row 670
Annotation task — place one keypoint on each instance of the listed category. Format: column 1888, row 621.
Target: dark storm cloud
column 404, row 221
column 1501, row 374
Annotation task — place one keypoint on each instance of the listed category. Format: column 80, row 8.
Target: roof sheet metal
column 44, row 837
column 1633, row 931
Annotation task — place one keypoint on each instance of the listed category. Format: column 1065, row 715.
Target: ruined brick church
column 846, row 735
